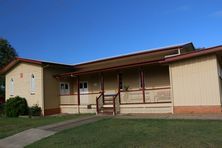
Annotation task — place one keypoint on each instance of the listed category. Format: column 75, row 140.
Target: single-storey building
column 175, row 79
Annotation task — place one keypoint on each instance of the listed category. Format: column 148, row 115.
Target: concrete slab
column 24, row 138
column 69, row 123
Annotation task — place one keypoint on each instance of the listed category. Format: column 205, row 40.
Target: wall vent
column 173, row 55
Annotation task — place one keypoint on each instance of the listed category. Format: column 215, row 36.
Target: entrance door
column 83, row 88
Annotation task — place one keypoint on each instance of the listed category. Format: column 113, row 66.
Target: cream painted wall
column 146, row 108
column 51, row 88
column 195, row 82
column 22, row 85
column 219, row 69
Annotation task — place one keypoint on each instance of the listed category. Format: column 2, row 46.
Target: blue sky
column 74, row 31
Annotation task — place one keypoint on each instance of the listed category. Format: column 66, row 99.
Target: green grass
column 135, row 133
column 10, row 126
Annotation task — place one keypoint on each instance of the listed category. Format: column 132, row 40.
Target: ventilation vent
column 173, row 55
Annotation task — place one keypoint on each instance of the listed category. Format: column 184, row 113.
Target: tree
column 7, row 54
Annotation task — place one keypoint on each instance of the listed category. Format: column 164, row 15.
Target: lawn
column 138, row 133
column 10, row 126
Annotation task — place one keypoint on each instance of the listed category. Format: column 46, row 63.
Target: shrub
column 2, row 109
column 35, row 110
column 16, row 106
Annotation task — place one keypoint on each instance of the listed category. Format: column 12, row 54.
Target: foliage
column 2, row 86
column 35, row 110
column 7, row 54
column 2, row 109
column 125, row 87
column 16, row 106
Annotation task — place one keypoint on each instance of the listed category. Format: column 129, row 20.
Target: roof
column 36, row 62
column 157, row 56
column 163, row 60
column 129, row 60
column 138, row 53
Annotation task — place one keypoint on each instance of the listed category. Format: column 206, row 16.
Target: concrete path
column 32, row 135
column 172, row 116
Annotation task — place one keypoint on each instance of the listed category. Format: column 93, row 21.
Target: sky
column 75, row 31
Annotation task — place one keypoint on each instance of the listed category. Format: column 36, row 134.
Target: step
column 106, row 108
column 106, row 113
column 109, row 95
column 108, row 99
column 105, row 101
column 108, row 105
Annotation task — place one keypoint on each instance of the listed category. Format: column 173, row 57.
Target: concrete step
column 106, row 113
column 106, row 108
column 108, row 105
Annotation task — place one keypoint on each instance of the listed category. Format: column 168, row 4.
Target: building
column 175, row 79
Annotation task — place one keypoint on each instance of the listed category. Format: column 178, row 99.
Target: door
column 83, row 88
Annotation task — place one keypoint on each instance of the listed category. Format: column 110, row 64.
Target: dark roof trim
column 37, row 62
column 28, row 60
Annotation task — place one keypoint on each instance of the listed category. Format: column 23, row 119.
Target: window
column 83, row 87
column 32, row 84
column 11, row 87
column 64, row 88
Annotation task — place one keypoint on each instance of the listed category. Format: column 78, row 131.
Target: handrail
column 153, row 88
column 73, row 94
column 97, row 102
column 158, row 88
column 114, row 103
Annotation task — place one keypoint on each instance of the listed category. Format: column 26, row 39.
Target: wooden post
column 114, row 105
column 102, row 86
column 78, row 92
column 118, row 80
column 97, row 106
column 142, row 84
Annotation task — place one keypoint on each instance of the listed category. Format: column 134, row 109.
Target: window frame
column 11, row 87
column 33, row 85
column 63, row 91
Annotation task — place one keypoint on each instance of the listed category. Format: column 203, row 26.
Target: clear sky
column 74, row 31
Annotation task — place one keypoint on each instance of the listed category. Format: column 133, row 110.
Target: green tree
column 7, row 54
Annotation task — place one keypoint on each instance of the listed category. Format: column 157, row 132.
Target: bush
column 35, row 110
column 2, row 109
column 16, row 106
